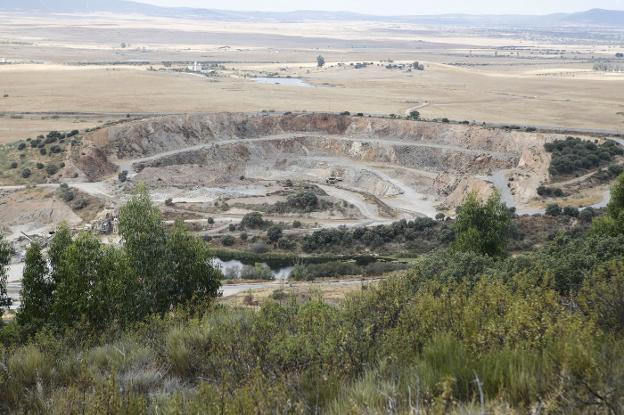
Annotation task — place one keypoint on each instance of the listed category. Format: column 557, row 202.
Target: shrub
column 66, row 193
column 571, row 211
column 311, row 272
column 380, row 268
column 80, row 203
column 253, row 220
column 586, row 215
column 43, row 151
column 21, row 146
column 231, row 227
column 51, row 169
column 56, row 149
column 169, row 202
column 123, row 176
column 286, row 244
column 26, row 173
column 274, row 233
column 296, row 224
column 244, row 236
column 553, row 209
column 211, row 221
column 228, row 240
column 260, row 248
column 549, row 191
column 13, row 165
column 257, row 272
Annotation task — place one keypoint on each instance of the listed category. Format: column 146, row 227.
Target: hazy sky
column 403, row 6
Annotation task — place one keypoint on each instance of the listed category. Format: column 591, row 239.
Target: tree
column 274, row 233
column 141, row 227
column 36, row 292
column 192, row 278
column 320, row 61
column 60, row 242
column 482, row 227
column 616, row 203
column 553, row 209
column 80, row 268
column 5, row 257
column 414, row 115
column 613, row 223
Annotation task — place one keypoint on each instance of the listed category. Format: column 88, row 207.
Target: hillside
column 594, row 17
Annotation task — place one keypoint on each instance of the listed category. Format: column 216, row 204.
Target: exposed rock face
column 93, row 163
column 443, row 161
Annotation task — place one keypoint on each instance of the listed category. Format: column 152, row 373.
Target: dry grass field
column 468, row 76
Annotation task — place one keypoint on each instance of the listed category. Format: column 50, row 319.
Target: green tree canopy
column 5, row 257
column 613, row 223
column 482, row 227
column 36, row 292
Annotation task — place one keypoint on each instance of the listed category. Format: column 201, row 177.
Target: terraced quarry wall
column 401, row 160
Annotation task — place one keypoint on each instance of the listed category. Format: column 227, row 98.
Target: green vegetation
column 310, row 272
column 301, row 202
column 575, row 156
column 427, row 233
column 482, row 228
column 35, row 160
column 258, row 271
column 90, row 286
column 5, row 257
column 549, row 191
column 465, row 330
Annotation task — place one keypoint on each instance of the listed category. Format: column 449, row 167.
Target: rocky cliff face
column 442, row 160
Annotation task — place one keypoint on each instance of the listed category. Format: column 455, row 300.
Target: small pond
column 284, row 81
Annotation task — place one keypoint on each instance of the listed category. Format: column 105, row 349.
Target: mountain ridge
column 590, row 17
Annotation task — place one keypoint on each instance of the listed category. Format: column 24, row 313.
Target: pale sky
column 403, row 7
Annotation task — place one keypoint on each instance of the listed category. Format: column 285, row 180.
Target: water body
column 233, row 267
column 284, row 81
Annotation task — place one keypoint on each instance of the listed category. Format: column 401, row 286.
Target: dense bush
column 430, row 339
column 549, row 191
column 573, row 155
column 66, row 193
column 310, row 272
column 253, row 220
column 553, row 209
column 258, row 271
column 51, row 169
column 274, row 233
column 350, row 240
column 302, row 202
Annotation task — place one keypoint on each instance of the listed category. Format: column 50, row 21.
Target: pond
column 232, row 269
column 284, row 81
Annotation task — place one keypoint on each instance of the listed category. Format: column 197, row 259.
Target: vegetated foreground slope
column 424, row 162
column 469, row 330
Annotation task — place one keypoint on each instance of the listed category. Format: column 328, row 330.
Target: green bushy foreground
column 461, row 332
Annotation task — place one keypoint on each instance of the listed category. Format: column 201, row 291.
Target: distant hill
column 597, row 17
column 594, row 17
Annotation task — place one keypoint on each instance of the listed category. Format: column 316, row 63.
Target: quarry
column 369, row 170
